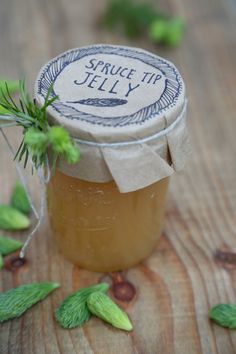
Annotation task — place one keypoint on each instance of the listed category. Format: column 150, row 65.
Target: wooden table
column 193, row 268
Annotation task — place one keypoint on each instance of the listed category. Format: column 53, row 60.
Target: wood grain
column 178, row 284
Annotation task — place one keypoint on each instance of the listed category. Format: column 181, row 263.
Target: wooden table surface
column 178, row 284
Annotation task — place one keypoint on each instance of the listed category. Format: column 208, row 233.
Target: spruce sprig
column 38, row 135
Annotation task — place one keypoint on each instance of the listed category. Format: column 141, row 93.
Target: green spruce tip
column 73, row 311
column 103, row 307
column 9, row 245
column 62, row 145
column 14, row 302
column 12, row 219
column 1, row 261
column 19, row 199
column 224, row 315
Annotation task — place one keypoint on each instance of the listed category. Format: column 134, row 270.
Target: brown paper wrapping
column 134, row 149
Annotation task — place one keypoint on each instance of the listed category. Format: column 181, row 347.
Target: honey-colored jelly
column 100, row 229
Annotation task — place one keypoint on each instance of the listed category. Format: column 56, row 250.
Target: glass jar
column 125, row 108
column 100, row 229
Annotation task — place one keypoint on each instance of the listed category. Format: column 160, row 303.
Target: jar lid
column 110, row 98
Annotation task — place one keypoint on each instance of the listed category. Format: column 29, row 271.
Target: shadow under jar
column 126, row 110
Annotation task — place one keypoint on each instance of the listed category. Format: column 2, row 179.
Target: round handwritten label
column 110, row 86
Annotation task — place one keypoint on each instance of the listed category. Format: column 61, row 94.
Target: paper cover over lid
column 125, row 107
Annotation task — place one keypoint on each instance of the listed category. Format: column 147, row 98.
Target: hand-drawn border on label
column 172, row 90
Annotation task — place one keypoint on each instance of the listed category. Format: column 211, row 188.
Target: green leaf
column 19, row 199
column 14, row 302
column 12, row 219
column 73, row 311
column 1, row 261
column 103, row 307
column 224, row 315
column 9, row 245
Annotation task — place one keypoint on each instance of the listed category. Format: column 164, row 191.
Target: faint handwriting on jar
column 93, row 196
column 99, row 222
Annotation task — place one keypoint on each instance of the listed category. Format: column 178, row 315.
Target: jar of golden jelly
column 126, row 110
